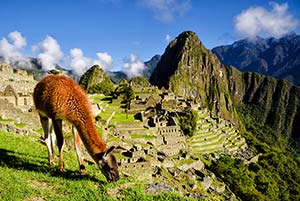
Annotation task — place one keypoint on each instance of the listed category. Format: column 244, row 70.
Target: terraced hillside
column 215, row 135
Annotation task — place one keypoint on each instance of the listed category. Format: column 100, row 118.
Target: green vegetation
column 275, row 176
column 5, row 120
column 123, row 117
column 26, row 175
column 106, row 87
column 126, row 92
column 20, row 125
column 140, row 81
column 188, row 122
column 94, row 80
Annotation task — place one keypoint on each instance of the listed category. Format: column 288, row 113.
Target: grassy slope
column 26, row 175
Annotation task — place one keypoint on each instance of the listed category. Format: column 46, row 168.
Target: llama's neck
column 90, row 138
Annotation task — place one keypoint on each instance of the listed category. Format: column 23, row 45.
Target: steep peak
column 96, row 80
column 188, row 34
column 186, row 38
column 190, row 70
column 184, row 52
column 95, row 67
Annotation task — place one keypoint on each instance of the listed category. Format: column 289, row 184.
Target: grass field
column 26, row 175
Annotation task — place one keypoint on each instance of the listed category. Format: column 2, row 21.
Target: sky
column 122, row 34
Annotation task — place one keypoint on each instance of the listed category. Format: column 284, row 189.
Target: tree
column 188, row 123
column 125, row 90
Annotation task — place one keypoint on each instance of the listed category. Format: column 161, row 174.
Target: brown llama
column 58, row 98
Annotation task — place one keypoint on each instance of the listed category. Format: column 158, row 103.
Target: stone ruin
column 16, row 87
column 16, row 102
column 153, row 141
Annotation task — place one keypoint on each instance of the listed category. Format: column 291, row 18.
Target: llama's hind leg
column 47, row 139
column 57, row 125
column 77, row 143
column 53, row 141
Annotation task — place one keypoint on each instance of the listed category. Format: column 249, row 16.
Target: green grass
column 100, row 98
column 121, row 117
column 105, row 114
column 136, row 136
column 20, row 125
column 26, row 175
column 5, row 120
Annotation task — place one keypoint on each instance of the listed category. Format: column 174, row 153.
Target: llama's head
column 107, row 163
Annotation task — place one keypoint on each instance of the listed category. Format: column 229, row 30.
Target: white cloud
column 168, row 38
column 18, row 40
column 50, row 53
column 133, row 66
column 166, row 10
column 259, row 21
column 104, row 60
column 11, row 50
column 79, row 63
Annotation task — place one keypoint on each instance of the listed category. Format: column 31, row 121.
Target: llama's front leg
column 57, row 125
column 77, row 143
column 47, row 138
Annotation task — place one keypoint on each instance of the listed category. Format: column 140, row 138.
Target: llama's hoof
column 83, row 172
column 42, row 140
column 61, row 167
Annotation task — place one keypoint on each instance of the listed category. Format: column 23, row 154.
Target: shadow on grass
column 11, row 159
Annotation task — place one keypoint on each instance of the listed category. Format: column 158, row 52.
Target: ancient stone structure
column 16, row 102
column 16, row 87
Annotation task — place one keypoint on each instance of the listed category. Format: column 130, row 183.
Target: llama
column 58, row 98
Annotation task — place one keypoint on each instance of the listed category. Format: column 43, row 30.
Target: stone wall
column 9, row 111
column 12, row 129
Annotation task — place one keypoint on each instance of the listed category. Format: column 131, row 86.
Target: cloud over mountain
column 11, row 49
column 259, row 21
column 50, row 53
column 133, row 66
column 79, row 63
column 104, row 60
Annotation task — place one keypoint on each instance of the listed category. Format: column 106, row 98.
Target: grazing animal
column 58, row 98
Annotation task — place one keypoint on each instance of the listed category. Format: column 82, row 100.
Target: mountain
column 94, row 80
column 151, row 65
column 32, row 66
column 274, row 57
column 117, row 76
column 190, row 70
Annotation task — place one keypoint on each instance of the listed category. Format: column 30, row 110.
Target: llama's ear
column 110, row 149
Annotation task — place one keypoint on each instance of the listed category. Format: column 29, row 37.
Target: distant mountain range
column 279, row 58
column 116, row 76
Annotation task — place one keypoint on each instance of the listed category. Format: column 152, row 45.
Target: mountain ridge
column 274, row 57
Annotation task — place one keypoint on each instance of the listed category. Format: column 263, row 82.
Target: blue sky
column 121, row 34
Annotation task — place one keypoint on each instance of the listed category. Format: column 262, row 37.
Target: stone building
column 16, row 87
